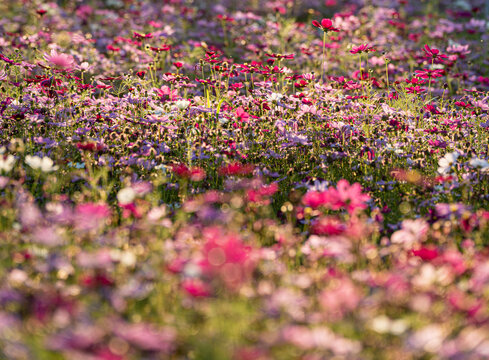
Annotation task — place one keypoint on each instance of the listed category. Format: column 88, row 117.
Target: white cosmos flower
column 275, row 97
column 7, row 163
column 479, row 163
column 45, row 164
column 126, row 196
column 446, row 162
column 182, row 104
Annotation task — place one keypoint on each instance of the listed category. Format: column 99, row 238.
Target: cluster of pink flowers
column 344, row 195
column 226, row 256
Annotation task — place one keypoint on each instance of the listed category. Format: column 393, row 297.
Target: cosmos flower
column 7, row 162
column 479, row 163
column 325, row 25
column 446, row 162
column 59, row 60
column 362, row 48
column 45, row 164
column 126, row 195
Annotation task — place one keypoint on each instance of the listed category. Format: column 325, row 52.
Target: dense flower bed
column 263, row 180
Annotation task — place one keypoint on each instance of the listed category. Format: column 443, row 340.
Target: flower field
column 254, row 180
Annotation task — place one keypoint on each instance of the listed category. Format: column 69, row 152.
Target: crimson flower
column 428, row 73
column 426, row 253
column 195, row 173
column 325, row 25
column 414, row 89
column 159, row 49
column 362, row 48
column 280, row 56
column 196, row 288
column 142, row 36
column 434, row 54
column 236, row 169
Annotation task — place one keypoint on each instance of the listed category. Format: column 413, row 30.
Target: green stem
column 324, row 55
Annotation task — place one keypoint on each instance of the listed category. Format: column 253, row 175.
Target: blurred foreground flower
column 44, row 164
column 7, row 163
column 59, row 61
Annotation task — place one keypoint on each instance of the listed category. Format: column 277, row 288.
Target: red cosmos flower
column 41, row 12
column 142, row 36
column 52, row 81
column 414, row 89
column 195, row 173
column 225, row 18
column 362, row 48
column 325, row 25
column 300, row 84
column 463, row 104
column 236, row 169
column 113, row 48
column 428, row 73
column 432, row 109
column 433, row 54
column 90, row 147
column 160, row 49
column 178, row 65
column 426, row 253
column 280, row 56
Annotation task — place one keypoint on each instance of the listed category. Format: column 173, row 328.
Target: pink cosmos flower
column 242, row 115
column 194, row 173
column 328, row 226
column 59, row 61
column 344, row 195
column 166, row 93
column 340, row 299
column 362, row 48
column 91, row 216
column 236, row 169
column 196, row 288
column 325, row 25
column 227, row 257
column 434, row 54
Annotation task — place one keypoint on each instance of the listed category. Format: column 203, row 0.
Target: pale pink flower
column 340, row 299
column 59, row 61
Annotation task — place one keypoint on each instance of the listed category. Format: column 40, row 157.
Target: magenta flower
column 91, row 216
column 362, row 48
column 434, row 54
column 167, row 93
column 344, row 195
column 227, row 257
column 349, row 196
column 325, row 25
column 59, row 61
